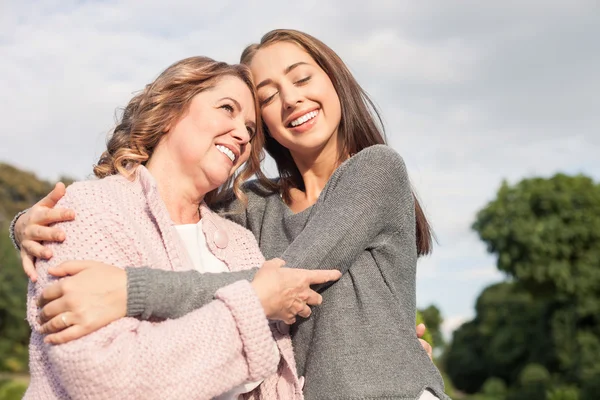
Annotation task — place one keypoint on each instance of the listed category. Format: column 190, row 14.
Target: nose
column 290, row 96
column 240, row 133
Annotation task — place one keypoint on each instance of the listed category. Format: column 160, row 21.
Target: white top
column 204, row 261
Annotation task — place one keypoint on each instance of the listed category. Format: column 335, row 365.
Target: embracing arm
column 367, row 196
column 161, row 294
column 211, row 349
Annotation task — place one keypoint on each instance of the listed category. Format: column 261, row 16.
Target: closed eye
column 303, row 80
column 266, row 101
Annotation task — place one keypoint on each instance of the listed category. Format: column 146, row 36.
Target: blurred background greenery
column 535, row 335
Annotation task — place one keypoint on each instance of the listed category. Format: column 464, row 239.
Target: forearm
column 212, row 349
column 11, row 229
column 153, row 293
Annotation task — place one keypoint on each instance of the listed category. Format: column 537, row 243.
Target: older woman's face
column 211, row 140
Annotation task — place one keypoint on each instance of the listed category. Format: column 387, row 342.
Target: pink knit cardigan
column 198, row 356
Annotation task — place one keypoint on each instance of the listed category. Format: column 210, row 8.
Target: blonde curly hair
column 149, row 114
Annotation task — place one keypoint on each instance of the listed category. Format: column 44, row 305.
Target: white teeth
column 304, row 118
column 227, row 152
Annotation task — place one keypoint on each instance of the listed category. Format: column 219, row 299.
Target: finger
column 57, row 324
column 318, row 277
column 298, row 306
column 421, row 330
column 312, row 298
column 54, row 215
column 50, row 293
column 28, row 265
column 35, row 249
column 66, row 335
column 52, row 309
column 290, row 320
column 275, row 263
column 54, row 196
column 40, row 233
column 67, row 268
column 427, row 347
column 305, row 312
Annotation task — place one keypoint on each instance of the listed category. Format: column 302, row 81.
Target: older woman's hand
column 426, row 346
column 94, row 295
column 285, row 292
column 32, row 228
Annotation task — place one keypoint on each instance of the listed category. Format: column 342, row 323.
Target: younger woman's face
column 299, row 104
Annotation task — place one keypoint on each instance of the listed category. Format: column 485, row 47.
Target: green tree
column 14, row 330
column 545, row 233
column 432, row 318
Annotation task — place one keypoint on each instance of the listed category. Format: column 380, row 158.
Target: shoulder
column 378, row 155
column 98, row 197
column 378, row 164
column 257, row 190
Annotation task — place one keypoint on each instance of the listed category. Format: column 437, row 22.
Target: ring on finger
column 63, row 318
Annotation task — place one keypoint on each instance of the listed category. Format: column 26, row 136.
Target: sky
column 471, row 93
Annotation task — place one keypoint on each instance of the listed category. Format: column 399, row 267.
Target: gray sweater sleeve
column 368, row 197
column 171, row 294
column 11, row 229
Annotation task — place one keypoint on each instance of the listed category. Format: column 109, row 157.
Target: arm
column 156, row 293
column 212, row 349
column 169, row 294
column 368, row 195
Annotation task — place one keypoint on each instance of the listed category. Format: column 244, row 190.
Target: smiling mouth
column 304, row 119
column 227, row 152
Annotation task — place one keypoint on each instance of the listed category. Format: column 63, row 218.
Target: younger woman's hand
column 92, row 295
column 32, row 228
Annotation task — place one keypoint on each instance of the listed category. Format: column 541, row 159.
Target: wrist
column 13, row 230
column 264, row 301
column 137, row 283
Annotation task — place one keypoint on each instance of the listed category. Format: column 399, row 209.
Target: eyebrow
column 285, row 71
column 251, row 124
column 234, row 101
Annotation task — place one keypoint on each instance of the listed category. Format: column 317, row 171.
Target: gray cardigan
column 361, row 342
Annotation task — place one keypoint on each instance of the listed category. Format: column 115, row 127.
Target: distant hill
column 20, row 189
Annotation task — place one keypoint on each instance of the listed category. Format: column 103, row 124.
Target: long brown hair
column 360, row 126
column 151, row 112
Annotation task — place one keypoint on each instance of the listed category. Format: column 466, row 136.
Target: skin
column 186, row 165
column 289, row 85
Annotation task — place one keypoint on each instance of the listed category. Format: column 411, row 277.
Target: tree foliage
column 18, row 190
column 545, row 321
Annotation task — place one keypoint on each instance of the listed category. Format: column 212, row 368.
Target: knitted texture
column 198, row 356
column 361, row 342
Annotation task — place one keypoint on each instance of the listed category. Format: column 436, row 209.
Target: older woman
column 179, row 140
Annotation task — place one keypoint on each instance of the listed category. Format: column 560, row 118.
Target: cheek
column 272, row 118
column 245, row 155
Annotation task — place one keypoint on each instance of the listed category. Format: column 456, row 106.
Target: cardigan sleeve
column 368, row 198
column 201, row 355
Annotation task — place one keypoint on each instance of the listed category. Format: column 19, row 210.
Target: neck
column 178, row 192
column 316, row 169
